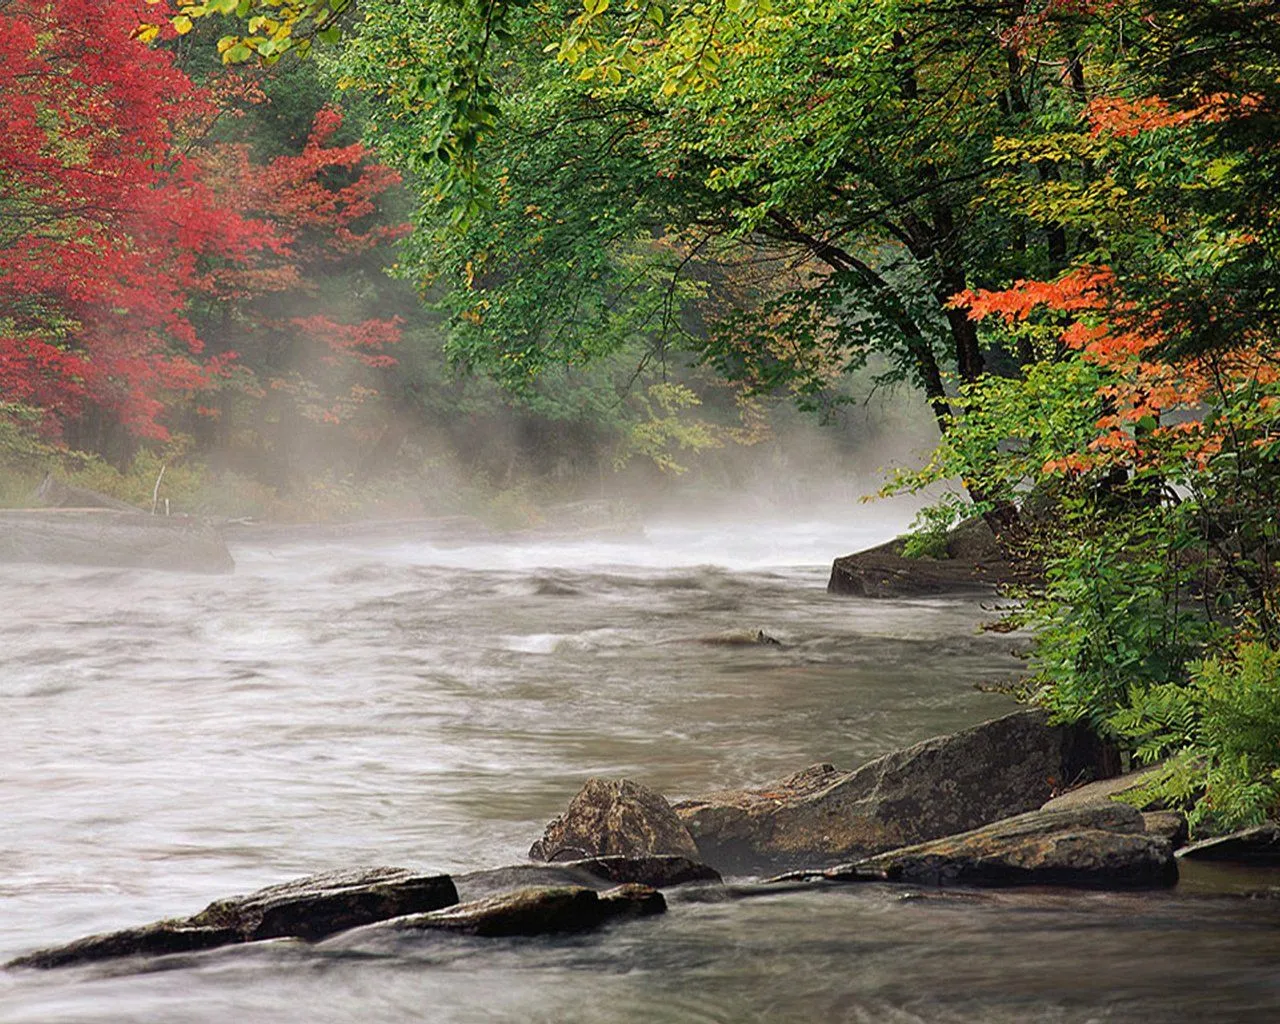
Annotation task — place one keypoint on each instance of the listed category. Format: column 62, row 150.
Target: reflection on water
column 169, row 739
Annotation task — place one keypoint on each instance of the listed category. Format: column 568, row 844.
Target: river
column 169, row 739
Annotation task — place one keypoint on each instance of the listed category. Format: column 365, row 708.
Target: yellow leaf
column 182, row 24
column 145, row 33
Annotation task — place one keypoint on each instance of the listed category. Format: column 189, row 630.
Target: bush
column 928, row 535
column 1222, row 735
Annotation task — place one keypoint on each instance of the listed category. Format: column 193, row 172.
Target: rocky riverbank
column 1014, row 801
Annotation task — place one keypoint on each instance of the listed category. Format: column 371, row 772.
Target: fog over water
column 170, row 739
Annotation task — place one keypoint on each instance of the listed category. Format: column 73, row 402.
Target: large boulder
column 537, row 910
column 112, row 538
column 936, row 788
column 308, row 908
column 614, row 817
column 974, row 562
column 1095, row 846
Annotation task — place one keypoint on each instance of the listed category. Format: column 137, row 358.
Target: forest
column 272, row 245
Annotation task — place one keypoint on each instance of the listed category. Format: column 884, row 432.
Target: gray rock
column 157, row 939
column 975, row 563
column 1104, row 790
column 632, row 900
column 55, row 493
column 598, row 873
column 308, row 908
column 614, row 817
column 1259, row 845
column 1172, row 825
column 940, row 787
column 112, row 538
column 319, row 905
column 538, row 910
column 1098, row 846
column 659, row 872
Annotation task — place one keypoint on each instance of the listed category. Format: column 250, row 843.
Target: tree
column 104, row 220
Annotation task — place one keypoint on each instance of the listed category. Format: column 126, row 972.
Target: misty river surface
column 168, row 739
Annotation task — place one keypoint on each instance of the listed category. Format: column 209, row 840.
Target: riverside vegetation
column 1055, row 220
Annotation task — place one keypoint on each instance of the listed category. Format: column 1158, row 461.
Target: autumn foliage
column 120, row 226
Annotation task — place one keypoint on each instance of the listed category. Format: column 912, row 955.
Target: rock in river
column 537, row 910
column 109, row 537
column 1259, row 845
column 308, row 908
column 659, row 872
column 940, row 787
column 974, row 562
column 614, row 817
column 1096, row 846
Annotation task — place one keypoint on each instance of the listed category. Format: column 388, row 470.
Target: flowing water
column 168, row 739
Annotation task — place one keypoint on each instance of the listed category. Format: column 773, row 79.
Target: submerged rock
column 1259, row 845
column 537, row 910
column 614, row 817
column 157, row 939
column 1096, row 846
column 738, row 638
column 939, row 787
column 308, row 908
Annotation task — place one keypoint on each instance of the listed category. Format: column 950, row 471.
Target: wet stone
column 939, row 787
column 538, row 910
column 614, row 817
column 1098, row 846
column 659, row 872
column 632, row 900
column 307, row 908
column 319, row 905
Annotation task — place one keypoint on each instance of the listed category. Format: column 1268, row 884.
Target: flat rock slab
column 614, row 817
column 942, row 786
column 1259, row 846
column 537, row 910
column 308, row 908
column 112, row 538
column 1099, row 846
column 599, row 873
column 1104, row 790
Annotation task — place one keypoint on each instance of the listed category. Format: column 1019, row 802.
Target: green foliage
column 1222, row 731
column 927, row 537
column 1117, row 615
column 662, row 432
